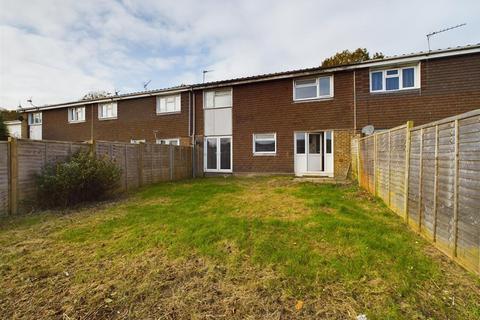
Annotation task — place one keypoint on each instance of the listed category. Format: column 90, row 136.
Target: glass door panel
column 225, row 153
column 212, row 153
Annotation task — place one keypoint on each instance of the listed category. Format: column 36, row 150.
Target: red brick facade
column 449, row 86
column 136, row 119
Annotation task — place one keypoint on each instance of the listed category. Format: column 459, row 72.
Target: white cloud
column 57, row 50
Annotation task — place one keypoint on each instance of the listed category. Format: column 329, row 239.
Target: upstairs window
column 76, row 114
column 314, row 88
column 169, row 104
column 265, row 143
column 34, row 118
column 107, row 110
column 394, row 79
column 218, row 99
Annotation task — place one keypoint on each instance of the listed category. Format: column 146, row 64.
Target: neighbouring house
column 298, row 121
column 14, row 128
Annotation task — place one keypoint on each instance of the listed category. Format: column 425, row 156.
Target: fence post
column 435, row 187
column 375, row 151
column 125, row 151
column 170, row 160
column 13, row 175
column 93, row 147
column 389, row 167
column 407, row 167
column 455, row 192
column 420, row 178
column 358, row 160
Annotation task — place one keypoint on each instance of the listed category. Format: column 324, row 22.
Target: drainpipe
column 354, row 103
column 194, row 149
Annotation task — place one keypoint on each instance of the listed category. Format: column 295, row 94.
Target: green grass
column 340, row 251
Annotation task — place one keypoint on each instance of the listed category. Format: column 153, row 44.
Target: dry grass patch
column 262, row 248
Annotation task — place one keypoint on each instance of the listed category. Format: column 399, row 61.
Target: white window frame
column 107, row 104
column 137, row 141
column 70, row 120
column 264, row 153
column 218, row 138
column 34, row 118
column 317, row 84
column 214, row 93
column 416, row 78
column 168, row 141
column 177, row 109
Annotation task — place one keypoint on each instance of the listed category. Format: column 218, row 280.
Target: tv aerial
column 145, row 84
column 431, row 34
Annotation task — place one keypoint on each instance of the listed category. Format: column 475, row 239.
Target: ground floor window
column 218, row 154
column 264, row 144
column 175, row 142
column 137, row 141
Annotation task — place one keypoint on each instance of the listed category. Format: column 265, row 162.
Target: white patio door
column 218, row 154
column 313, row 153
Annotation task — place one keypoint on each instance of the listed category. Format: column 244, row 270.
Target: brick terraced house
column 289, row 122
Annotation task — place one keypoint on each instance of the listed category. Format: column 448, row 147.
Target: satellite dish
column 368, row 130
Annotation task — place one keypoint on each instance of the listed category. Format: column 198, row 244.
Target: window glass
column 169, row 104
column 306, row 92
column 107, row 110
column 324, row 85
column 392, row 83
column 212, row 153
column 392, row 72
column 314, row 143
column 218, row 99
column 377, row 81
column 76, row 114
column 225, row 153
column 300, row 142
column 328, row 141
column 408, row 77
column 264, row 143
column 35, row 118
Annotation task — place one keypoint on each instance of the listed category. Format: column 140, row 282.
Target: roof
column 403, row 58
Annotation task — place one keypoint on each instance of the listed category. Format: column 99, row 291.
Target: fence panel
column 433, row 170
column 398, row 140
column 468, row 237
column 367, row 163
column 4, row 177
column 354, row 160
column 22, row 159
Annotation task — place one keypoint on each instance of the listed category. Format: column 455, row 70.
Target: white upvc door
column 218, row 154
column 313, row 153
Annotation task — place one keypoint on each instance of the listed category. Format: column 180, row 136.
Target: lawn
column 229, row 248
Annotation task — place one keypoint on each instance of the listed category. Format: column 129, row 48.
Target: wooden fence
column 141, row 164
column 430, row 175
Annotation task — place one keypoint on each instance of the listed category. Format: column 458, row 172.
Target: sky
column 53, row 51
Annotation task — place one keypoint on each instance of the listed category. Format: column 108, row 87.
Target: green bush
column 3, row 129
column 82, row 178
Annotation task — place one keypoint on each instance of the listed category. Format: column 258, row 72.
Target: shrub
column 80, row 179
column 3, row 129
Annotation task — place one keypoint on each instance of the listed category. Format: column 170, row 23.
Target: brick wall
column 341, row 152
column 269, row 107
column 136, row 119
column 449, row 86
